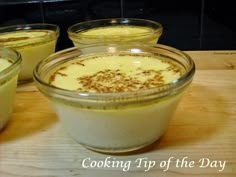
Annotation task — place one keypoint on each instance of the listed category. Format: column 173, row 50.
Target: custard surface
column 25, row 37
column 121, row 30
column 114, row 73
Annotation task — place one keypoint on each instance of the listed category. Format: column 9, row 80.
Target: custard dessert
column 33, row 45
column 120, row 127
column 115, row 97
column 115, row 30
column 9, row 69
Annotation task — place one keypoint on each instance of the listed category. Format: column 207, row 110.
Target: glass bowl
column 10, row 61
column 109, row 113
column 115, row 30
column 34, row 41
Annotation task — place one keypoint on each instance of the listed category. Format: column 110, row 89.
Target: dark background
column 188, row 24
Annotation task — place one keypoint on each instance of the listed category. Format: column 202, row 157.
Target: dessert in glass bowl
column 115, row 30
column 118, row 98
column 34, row 42
column 10, row 61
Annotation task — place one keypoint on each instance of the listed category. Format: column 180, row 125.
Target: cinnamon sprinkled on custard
column 9, row 60
column 78, row 63
column 52, row 77
column 115, row 73
column 25, row 37
column 10, row 39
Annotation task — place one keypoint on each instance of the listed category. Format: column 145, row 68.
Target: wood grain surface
column 200, row 140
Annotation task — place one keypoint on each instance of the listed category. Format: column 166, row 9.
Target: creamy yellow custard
column 24, row 37
column 116, row 33
column 111, row 128
column 7, row 92
column 117, row 30
column 33, row 45
column 114, row 73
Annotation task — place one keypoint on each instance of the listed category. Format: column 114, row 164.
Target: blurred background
column 188, row 24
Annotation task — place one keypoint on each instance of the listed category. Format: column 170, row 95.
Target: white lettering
column 100, row 164
column 140, row 161
column 83, row 163
column 222, row 165
column 93, row 164
column 144, row 162
column 206, row 162
column 126, row 166
column 166, row 164
column 150, row 165
column 107, row 163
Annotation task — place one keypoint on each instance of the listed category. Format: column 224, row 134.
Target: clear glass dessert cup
column 122, row 121
column 8, row 83
column 34, row 42
column 115, row 30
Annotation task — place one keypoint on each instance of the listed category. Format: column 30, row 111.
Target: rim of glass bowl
column 32, row 26
column 115, row 99
column 86, row 25
column 8, row 52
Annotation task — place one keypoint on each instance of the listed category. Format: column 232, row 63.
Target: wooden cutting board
column 200, row 140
